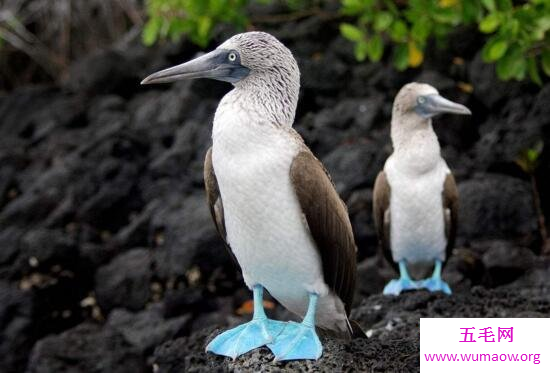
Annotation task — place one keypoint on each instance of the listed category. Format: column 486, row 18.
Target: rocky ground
column 109, row 261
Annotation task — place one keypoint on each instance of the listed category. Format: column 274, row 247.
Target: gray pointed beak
column 431, row 105
column 213, row 65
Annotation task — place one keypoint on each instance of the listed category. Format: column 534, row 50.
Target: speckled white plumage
column 416, row 174
column 253, row 149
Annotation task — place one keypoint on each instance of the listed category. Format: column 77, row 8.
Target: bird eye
column 232, row 57
column 421, row 99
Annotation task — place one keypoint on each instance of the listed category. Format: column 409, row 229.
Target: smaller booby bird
column 272, row 201
column 415, row 198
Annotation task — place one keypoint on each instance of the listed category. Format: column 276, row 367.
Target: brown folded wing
column 381, row 214
column 328, row 221
column 450, row 212
column 215, row 201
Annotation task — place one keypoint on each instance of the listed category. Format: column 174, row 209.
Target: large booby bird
column 272, row 201
column 415, row 198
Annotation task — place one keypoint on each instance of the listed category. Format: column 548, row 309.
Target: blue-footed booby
column 272, row 201
column 415, row 199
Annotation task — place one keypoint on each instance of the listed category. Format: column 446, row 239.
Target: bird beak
column 213, row 65
column 435, row 104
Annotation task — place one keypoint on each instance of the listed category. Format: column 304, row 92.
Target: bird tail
column 352, row 331
column 356, row 330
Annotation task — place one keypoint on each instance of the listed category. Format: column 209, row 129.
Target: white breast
column 264, row 223
column 417, row 229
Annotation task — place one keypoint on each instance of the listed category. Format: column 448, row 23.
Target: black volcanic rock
column 392, row 324
column 16, row 327
column 488, row 88
column 186, row 236
column 496, row 206
column 349, row 120
column 9, row 241
column 505, row 262
column 86, row 348
column 45, row 248
column 125, row 281
column 146, row 329
column 103, row 72
column 354, row 166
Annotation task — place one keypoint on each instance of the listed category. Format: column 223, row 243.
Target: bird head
column 246, row 55
column 425, row 101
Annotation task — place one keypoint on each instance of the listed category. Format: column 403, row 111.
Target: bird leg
column 256, row 333
column 435, row 283
column 404, row 282
column 299, row 340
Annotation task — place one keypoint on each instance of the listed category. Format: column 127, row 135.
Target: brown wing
column 450, row 212
column 215, row 200
column 328, row 222
column 381, row 214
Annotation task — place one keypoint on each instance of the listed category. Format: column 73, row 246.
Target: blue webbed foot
column 297, row 341
column 396, row 287
column 253, row 334
column 435, row 284
column 246, row 337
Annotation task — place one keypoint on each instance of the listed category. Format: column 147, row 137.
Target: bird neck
column 415, row 143
column 271, row 97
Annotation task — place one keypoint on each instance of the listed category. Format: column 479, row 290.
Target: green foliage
column 170, row 19
column 194, row 18
column 528, row 159
column 519, row 37
column 408, row 28
column 518, row 42
column 518, row 33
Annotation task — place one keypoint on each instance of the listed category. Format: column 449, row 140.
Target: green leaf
column 494, row 50
column 510, row 28
column 382, row 21
column 471, row 11
column 375, row 48
column 351, row 32
column 545, row 62
column 533, row 70
column 512, row 65
column 361, row 51
column 203, row 29
column 401, row 57
column 532, row 155
column 505, row 5
column 365, row 19
column 541, row 26
column 351, row 7
column 446, row 16
column 421, row 30
column 490, row 23
column 503, row 72
column 399, row 31
column 489, row 4
column 391, row 6
column 543, row 23
column 178, row 27
column 151, row 31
